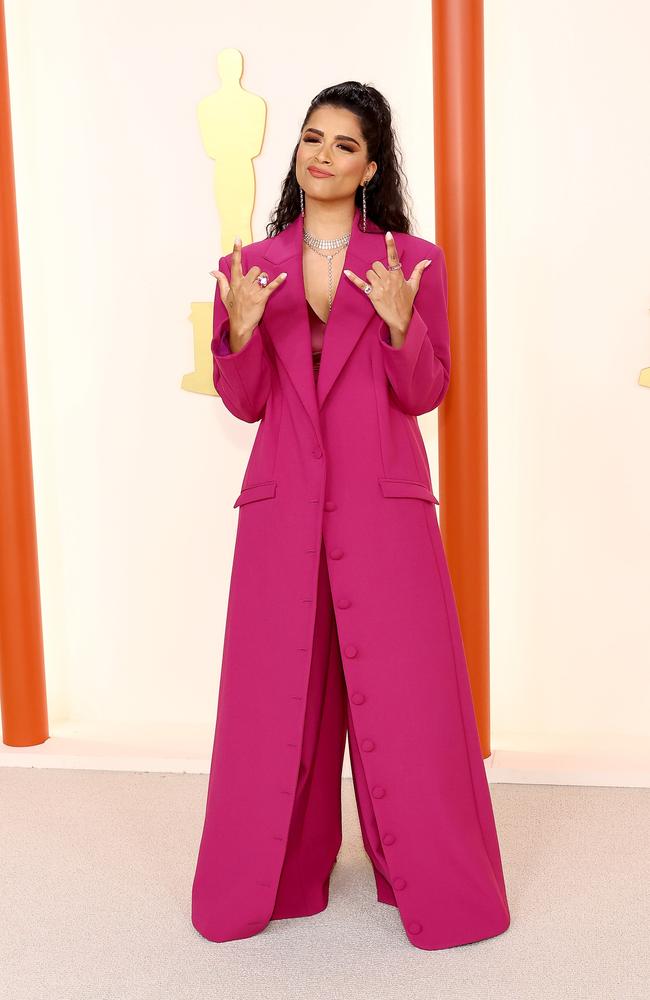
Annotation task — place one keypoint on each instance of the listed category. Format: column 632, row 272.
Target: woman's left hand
column 392, row 294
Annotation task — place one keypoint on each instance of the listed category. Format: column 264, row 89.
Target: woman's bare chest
column 317, row 282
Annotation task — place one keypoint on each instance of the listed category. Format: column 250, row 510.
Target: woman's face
column 331, row 140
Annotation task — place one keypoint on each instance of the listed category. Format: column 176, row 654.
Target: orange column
column 22, row 674
column 459, row 134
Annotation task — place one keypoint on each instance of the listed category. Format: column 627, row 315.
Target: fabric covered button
column 336, row 553
column 415, row 927
column 378, row 792
column 367, row 745
column 350, row 651
column 343, row 602
column 317, row 452
column 388, row 838
column 358, row 698
column 330, row 505
column 399, row 883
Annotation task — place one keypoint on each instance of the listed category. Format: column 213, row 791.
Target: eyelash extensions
column 313, row 139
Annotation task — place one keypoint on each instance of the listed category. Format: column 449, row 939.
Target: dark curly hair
column 385, row 205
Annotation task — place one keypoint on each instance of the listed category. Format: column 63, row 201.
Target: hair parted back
column 385, row 192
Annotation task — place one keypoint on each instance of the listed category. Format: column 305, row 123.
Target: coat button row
column 357, row 698
column 399, row 883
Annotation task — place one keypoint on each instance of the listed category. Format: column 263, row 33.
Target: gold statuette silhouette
column 231, row 124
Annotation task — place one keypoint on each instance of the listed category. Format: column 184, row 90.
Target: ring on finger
column 263, row 279
column 367, row 289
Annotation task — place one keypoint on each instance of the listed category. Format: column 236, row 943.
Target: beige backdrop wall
column 135, row 479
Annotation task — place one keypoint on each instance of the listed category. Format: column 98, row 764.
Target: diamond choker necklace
column 318, row 246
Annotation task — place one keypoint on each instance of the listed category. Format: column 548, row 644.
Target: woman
column 341, row 616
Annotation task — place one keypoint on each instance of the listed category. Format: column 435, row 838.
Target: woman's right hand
column 244, row 298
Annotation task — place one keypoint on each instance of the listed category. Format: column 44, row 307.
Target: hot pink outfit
column 341, row 619
column 317, row 331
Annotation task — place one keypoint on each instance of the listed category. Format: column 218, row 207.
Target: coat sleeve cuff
column 404, row 357
column 222, row 344
column 242, row 379
column 418, row 371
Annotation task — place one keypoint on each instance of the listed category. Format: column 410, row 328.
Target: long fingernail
column 427, row 263
column 215, row 274
column 237, row 240
column 389, row 235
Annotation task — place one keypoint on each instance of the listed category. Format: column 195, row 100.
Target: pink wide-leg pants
column 315, row 830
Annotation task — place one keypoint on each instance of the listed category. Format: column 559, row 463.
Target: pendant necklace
column 318, row 246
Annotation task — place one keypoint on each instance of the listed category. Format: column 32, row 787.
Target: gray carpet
column 96, row 878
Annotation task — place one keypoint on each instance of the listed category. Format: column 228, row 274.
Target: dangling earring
column 302, row 203
column 364, row 207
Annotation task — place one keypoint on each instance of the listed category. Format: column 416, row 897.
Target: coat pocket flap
column 406, row 488
column 259, row 491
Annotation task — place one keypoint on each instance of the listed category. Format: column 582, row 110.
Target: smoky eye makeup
column 313, row 138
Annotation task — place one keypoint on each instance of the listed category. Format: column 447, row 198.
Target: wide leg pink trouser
column 315, row 830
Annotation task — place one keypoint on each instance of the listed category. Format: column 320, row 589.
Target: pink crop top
column 317, row 328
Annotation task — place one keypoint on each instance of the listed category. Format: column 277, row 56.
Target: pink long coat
column 344, row 460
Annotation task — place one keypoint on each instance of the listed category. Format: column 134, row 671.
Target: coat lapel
column 287, row 321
